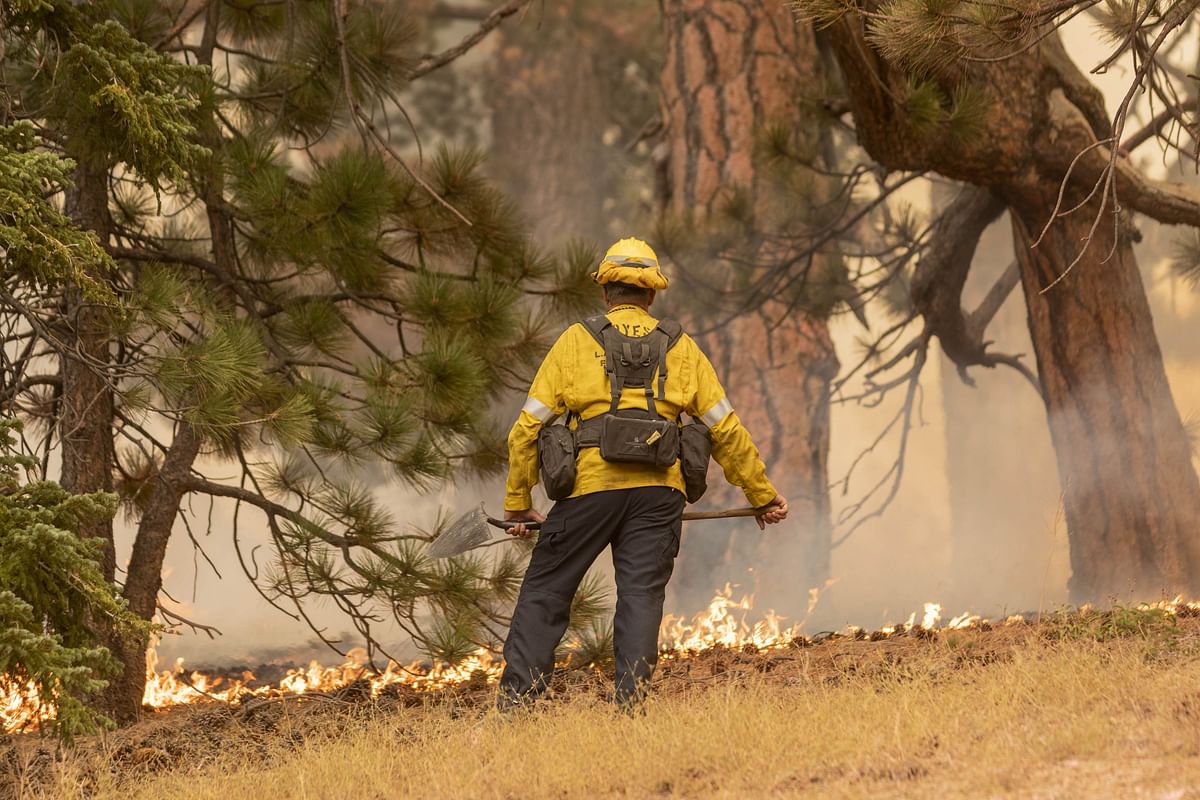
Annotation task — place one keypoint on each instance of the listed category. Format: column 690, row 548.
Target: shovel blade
column 465, row 533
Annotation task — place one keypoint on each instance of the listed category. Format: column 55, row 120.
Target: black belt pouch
column 556, row 456
column 634, row 437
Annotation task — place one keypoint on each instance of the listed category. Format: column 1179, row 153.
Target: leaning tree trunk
column 1130, row 491
column 143, row 580
column 732, row 68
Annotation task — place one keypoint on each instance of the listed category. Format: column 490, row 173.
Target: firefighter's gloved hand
column 772, row 512
column 520, row 517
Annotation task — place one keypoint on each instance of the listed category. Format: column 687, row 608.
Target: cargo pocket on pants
column 673, row 537
column 550, row 549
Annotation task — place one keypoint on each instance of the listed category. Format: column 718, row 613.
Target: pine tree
column 746, row 192
column 989, row 96
column 51, row 588
column 285, row 280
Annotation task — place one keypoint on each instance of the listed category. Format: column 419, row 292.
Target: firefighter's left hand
column 521, row 517
column 772, row 512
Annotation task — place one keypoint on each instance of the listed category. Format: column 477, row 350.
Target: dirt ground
column 1106, row 706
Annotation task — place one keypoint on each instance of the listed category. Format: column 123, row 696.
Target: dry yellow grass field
column 1061, row 710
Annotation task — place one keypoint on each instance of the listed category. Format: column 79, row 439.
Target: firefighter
column 633, row 507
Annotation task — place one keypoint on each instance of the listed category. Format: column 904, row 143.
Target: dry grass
column 1060, row 711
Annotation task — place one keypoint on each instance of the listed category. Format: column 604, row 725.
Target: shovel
column 471, row 529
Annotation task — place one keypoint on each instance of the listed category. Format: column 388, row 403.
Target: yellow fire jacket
column 572, row 378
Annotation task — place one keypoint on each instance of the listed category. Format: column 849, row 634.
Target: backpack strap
column 618, row 347
column 673, row 331
column 609, row 340
column 596, row 326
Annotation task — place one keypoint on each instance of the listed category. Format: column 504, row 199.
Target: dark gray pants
column 643, row 527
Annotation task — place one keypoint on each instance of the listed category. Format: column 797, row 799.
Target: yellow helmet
column 631, row 261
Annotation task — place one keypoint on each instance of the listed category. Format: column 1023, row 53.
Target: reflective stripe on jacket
column 572, row 378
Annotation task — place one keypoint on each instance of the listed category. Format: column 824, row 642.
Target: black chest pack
column 630, row 435
column 633, row 435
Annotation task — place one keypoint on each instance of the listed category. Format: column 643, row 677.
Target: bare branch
column 977, row 320
column 197, row 627
column 431, row 62
column 941, row 273
column 1167, row 202
column 1152, row 128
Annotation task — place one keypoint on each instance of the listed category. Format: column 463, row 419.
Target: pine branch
column 1185, row 258
column 490, row 22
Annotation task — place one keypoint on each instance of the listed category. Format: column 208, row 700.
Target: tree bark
column 86, row 414
column 562, row 123
column 732, row 68
column 144, row 579
column 1131, row 495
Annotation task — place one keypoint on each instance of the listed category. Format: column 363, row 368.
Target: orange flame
column 176, row 687
column 725, row 623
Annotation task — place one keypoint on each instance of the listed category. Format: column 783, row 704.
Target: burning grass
column 1093, row 704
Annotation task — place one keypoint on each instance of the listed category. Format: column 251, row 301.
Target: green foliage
column 124, row 102
column 301, row 72
column 933, row 38
column 967, row 116
column 923, row 35
column 932, row 42
column 924, row 104
column 1119, row 622
column 330, row 308
column 1185, row 258
column 962, row 115
column 37, row 240
column 50, row 588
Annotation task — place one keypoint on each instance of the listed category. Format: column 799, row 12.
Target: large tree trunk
column 86, row 415
column 732, row 68
column 562, row 123
column 1131, row 495
column 1129, row 487
column 87, row 411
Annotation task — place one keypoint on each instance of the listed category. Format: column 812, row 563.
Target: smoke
column 976, row 526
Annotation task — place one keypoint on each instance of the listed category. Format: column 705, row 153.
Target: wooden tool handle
column 690, row 515
column 505, row 525
column 727, row 514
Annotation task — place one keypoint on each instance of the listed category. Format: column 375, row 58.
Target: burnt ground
column 200, row 734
